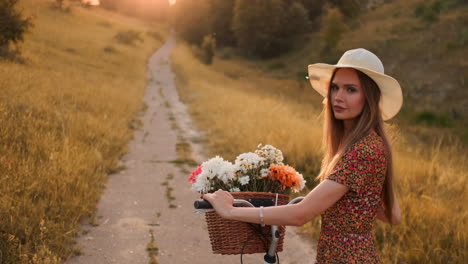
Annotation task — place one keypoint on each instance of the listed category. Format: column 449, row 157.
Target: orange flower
column 285, row 174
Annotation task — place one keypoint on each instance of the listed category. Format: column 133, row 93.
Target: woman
column 356, row 174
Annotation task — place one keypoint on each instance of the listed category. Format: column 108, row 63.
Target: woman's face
column 347, row 95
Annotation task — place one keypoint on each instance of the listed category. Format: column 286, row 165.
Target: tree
column 296, row 20
column 12, row 25
column 207, row 49
column 332, row 29
column 314, row 8
column 221, row 23
column 267, row 28
column 349, row 8
column 256, row 25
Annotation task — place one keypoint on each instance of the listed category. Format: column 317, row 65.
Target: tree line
column 257, row 28
column 263, row 28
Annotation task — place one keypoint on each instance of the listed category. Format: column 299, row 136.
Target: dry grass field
column 239, row 106
column 66, row 113
column 69, row 105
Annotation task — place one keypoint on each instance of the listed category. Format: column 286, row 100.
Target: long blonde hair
column 335, row 144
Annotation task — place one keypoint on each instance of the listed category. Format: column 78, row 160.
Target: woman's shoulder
column 368, row 146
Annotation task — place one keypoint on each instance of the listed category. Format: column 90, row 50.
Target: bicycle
column 271, row 255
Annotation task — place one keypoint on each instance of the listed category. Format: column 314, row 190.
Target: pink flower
column 194, row 174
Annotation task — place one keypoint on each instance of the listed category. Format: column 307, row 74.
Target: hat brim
column 391, row 95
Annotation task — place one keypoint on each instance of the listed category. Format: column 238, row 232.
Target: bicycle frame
column 270, row 256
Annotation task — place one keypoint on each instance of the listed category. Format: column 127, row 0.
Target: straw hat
column 367, row 62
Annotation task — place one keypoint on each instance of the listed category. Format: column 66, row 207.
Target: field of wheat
column 239, row 106
column 67, row 109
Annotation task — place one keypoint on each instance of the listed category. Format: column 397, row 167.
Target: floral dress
column 346, row 235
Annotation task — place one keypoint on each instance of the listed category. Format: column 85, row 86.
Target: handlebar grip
column 202, row 205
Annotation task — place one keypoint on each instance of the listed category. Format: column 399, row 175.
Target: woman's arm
column 396, row 213
column 318, row 200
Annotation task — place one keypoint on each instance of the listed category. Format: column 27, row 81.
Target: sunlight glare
column 91, row 2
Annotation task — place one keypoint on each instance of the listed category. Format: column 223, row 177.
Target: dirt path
column 152, row 193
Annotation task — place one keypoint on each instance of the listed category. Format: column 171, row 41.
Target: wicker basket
column 230, row 237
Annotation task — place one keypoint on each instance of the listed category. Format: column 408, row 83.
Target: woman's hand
column 221, row 201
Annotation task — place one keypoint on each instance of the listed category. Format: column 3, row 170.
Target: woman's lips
column 338, row 108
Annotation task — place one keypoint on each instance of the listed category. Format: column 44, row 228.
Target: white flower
column 202, row 185
column 247, row 161
column 244, row 180
column 270, row 153
column 235, row 189
column 264, row 173
column 226, row 171
column 218, row 168
column 301, row 184
column 215, row 168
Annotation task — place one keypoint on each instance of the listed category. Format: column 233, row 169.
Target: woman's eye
column 334, row 87
column 351, row 90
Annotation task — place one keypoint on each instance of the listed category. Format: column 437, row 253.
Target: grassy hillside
column 67, row 113
column 240, row 103
column 423, row 44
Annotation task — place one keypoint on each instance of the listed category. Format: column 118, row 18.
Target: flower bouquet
column 260, row 174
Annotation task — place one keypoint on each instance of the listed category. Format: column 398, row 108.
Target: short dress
column 346, row 235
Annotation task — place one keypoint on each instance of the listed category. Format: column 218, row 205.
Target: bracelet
column 261, row 216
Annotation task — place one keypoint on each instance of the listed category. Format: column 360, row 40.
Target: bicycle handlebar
column 202, row 205
column 253, row 202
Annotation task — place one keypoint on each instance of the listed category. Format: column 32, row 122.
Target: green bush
column 155, row 35
column 460, row 42
column 13, row 26
column 207, row 49
column 349, row 8
column 110, row 49
column 432, row 119
column 277, row 65
column 129, row 37
column 429, row 11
